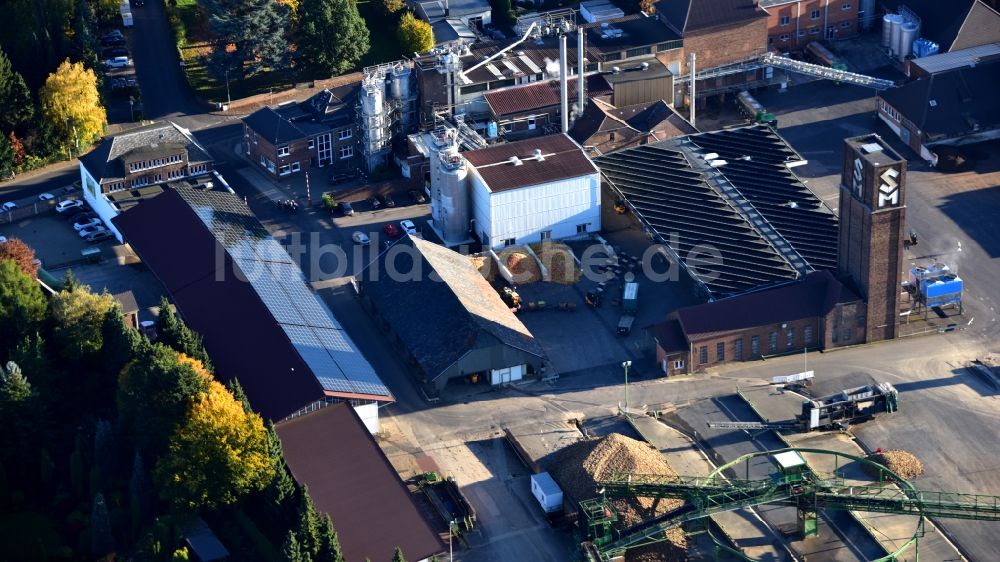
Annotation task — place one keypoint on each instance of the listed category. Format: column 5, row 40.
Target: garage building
column 444, row 317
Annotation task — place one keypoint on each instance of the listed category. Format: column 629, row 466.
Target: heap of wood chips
column 558, row 258
column 579, row 466
column 522, row 266
column 903, row 463
column 485, row 266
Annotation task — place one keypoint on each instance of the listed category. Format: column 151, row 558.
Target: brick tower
column 872, row 213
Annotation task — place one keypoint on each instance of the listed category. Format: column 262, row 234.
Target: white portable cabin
column 547, row 492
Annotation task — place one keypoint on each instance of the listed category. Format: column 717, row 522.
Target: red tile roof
column 561, row 159
column 351, row 480
column 539, row 95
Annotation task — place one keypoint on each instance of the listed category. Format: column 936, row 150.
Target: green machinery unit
column 793, row 484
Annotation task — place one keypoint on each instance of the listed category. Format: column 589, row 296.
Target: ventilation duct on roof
column 538, row 155
column 515, row 161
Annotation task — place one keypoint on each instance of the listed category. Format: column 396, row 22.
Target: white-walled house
column 134, row 165
column 544, row 188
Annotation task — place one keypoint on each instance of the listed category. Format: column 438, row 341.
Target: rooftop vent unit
column 615, row 70
column 515, row 161
column 644, row 66
column 933, row 103
column 871, row 147
column 538, row 155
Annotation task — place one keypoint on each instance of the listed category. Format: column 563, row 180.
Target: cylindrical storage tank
column 451, row 213
column 895, row 25
column 371, row 108
column 908, row 33
column 400, row 82
column 887, row 31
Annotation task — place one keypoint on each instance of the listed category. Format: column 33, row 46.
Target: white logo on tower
column 858, row 176
column 888, row 190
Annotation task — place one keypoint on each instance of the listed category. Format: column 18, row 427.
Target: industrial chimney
column 580, row 70
column 563, row 84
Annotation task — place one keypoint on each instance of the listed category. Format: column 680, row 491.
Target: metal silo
column 887, row 31
column 908, row 33
column 400, row 86
column 452, row 192
column 895, row 25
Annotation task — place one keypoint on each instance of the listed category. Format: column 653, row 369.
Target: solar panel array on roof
column 319, row 339
column 755, row 163
column 685, row 213
column 672, row 198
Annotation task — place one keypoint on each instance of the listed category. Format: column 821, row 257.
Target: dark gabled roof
column 104, row 163
column 955, row 24
column 351, row 480
column 601, row 117
column 541, row 95
column 449, row 310
column 562, row 159
column 669, row 336
column 950, row 103
column 234, row 285
column 695, row 15
column 812, row 296
column 274, row 127
column 127, row 301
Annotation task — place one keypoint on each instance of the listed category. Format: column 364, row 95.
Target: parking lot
column 55, row 241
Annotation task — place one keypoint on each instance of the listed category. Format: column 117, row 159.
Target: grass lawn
column 27, row 536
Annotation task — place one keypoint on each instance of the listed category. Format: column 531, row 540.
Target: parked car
column 3, row 239
column 46, row 197
column 90, row 230
column 417, row 196
column 387, row 201
column 118, row 62
column 345, row 209
column 86, row 223
column 112, row 52
column 77, row 215
column 113, row 34
column 115, row 42
column 98, row 236
column 374, row 202
column 392, row 231
column 360, row 238
column 9, row 206
column 408, row 226
column 68, row 204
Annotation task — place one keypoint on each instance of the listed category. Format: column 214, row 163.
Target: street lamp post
column 451, row 532
column 131, row 106
column 229, row 101
column 626, row 365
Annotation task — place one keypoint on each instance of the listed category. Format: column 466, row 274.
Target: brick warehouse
column 824, row 309
column 793, row 24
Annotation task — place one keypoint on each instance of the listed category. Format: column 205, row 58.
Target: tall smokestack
column 580, row 68
column 563, row 84
column 692, row 88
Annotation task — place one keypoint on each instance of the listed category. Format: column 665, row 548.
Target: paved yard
column 54, row 240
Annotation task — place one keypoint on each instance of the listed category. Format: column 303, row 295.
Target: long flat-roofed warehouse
column 728, row 207
column 238, row 288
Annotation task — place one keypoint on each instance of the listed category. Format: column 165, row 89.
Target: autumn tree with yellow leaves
column 71, row 104
column 218, row 454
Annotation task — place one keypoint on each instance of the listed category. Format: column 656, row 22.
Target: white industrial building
column 543, row 188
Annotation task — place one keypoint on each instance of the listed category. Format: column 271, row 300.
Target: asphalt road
column 23, row 191
column 165, row 92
